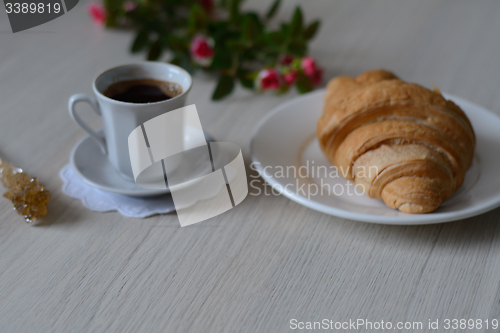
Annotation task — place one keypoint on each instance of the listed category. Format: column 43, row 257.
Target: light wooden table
column 269, row 260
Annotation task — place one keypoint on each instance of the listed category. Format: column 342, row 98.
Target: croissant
column 398, row 141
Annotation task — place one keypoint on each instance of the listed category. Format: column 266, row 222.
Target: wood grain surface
column 269, row 260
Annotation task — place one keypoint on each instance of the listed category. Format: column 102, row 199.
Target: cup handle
column 99, row 138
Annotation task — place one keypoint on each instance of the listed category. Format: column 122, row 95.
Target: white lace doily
column 101, row 201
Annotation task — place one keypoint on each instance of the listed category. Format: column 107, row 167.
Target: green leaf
column 246, row 79
column 296, row 64
column 155, row 51
column 298, row 47
column 234, row 10
column 285, row 29
column 224, row 87
column 250, row 29
column 304, row 84
column 253, row 15
column 275, row 37
column 273, row 9
column 140, row 41
column 311, row 30
column 113, row 15
column 296, row 25
column 197, row 18
column 237, row 45
column 176, row 44
column 222, row 59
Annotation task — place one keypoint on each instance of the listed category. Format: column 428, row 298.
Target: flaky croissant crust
column 413, row 146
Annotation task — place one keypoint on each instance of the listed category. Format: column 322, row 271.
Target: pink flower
column 208, row 5
column 129, row 6
column 97, row 12
column 202, row 50
column 268, row 79
column 308, row 64
column 312, row 70
column 290, row 77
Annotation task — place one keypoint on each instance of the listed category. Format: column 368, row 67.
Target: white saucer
column 287, row 137
column 94, row 168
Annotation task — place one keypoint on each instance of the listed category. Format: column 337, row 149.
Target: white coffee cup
column 120, row 118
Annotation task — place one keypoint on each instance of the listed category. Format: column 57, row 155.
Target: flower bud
column 202, row 50
column 311, row 69
column 97, row 12
column 268, row 79
column 290, row 77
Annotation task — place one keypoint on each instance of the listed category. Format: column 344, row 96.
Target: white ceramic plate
column 286, row 138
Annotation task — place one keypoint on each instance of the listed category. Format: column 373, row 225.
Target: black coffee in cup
column 143, row 91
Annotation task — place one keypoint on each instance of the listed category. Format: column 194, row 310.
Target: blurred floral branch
column 219, row 38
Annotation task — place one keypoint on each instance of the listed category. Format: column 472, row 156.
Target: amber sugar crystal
column 29, row 197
